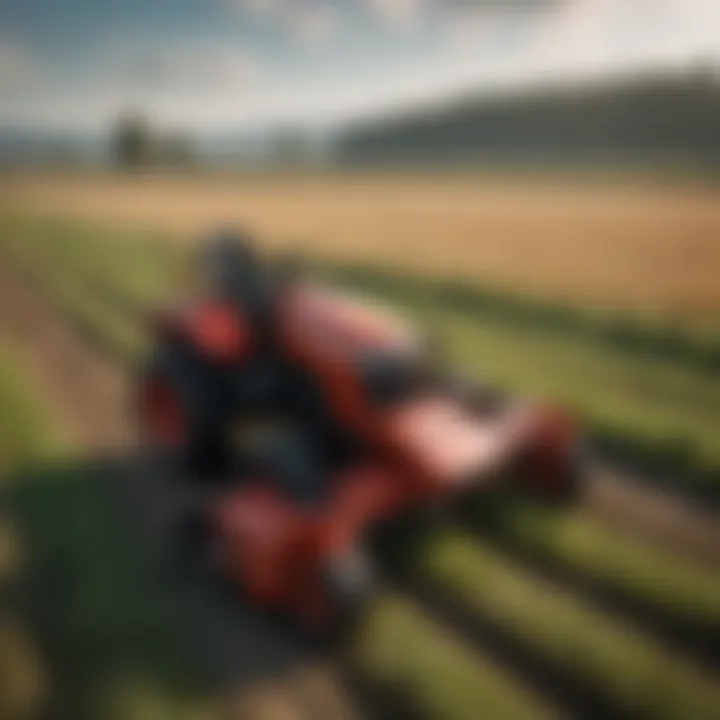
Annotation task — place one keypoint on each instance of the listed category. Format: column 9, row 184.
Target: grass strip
column 25, row 433
column 632, row 669
column 447, row 678
column 673, row 589
column 618, row 333
column 102, row 323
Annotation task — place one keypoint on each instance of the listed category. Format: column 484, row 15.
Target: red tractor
column 315, row 421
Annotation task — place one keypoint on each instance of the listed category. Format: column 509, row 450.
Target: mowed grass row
column 635, row 573
column 438, row 669
column 631, row 568
column 695, row 347
column 111, row 630
column 25, row 434
column 601, row 651
column 92, row 314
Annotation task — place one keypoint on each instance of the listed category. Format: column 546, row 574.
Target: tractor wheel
column 180, row 414
column 194, row 542
column 348, row 585
column 199, row 555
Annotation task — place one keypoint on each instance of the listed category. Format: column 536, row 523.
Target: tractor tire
column 198, row 557
column 349, row 586
column 193, row 541
column 179, row 390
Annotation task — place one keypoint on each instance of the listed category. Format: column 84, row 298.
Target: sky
column 214, row 65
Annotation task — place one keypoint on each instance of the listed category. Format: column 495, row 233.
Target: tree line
column 646, row 118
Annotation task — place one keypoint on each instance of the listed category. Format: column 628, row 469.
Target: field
column 629, row 246
column 611, row 610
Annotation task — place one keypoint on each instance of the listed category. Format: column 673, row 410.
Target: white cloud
column 401, row 14
column 597, row 35
column 314, row 25
column 176, row 82
column 203, row 64
column 477, row 29
column 207, row 83
column 177, row 66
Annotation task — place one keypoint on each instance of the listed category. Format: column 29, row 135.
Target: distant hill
column 651, row 118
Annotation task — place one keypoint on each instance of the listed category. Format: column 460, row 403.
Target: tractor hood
column 446, row 444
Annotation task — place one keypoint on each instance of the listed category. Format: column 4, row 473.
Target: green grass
column 89, row 311
column 695, row 346
column 631, row 387
column 110, row 258
column 101, row 626
column 104, row 618
column 657, row 399
column 675, row 588
column 443, row 676
column 631, row 668
column 24, row 431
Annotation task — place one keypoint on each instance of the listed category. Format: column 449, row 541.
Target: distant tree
column 132, row 142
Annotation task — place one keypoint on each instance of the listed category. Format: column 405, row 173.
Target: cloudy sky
column 217, row 64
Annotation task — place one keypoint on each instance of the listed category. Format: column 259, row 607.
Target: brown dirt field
column 640, row 246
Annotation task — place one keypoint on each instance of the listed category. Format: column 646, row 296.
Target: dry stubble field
column 632, row 246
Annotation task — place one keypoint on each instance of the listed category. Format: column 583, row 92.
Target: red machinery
column 331, row 423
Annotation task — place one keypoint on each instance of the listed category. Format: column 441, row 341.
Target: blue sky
column 220, row 64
